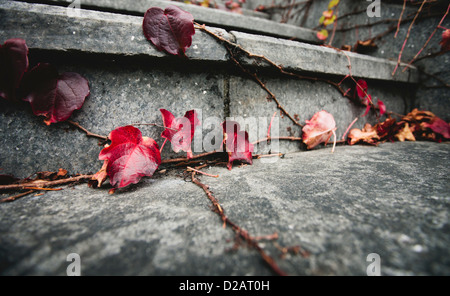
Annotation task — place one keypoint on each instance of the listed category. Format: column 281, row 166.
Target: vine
column 128, row 155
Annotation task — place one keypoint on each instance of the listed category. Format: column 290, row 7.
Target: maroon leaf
column 237, row 144
column 13, row 64
column 130, row 156
column 180, row 131
column 170, row 29
column 54, row 95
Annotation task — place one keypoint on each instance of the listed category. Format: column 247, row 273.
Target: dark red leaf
column 361, row 89
column 54, row 95
column 7, row 179
column 170, row 29
column 130, row 156
column 13, row 64
column 180, row 131
column 237, row 144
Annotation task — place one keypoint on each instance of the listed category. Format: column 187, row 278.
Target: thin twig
column 189, row 169
column 251, row 241
column 88, row 133
column 429, row 38
column 400, row 18
column 43, row 183
column 407, row 37
column 15, row 197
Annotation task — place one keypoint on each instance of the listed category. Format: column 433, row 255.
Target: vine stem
column 88, row 133
column 407, row 37
column 400, row 18
column 428, row 40
column 251, row 241
column 42, row 183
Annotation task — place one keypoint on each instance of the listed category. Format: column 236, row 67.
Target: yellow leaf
column 333, row 3
column 322, row 35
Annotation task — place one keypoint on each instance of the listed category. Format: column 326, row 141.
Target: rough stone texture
column 49, row 27
column 304, row 98
column 121, row 94
column 305, row 57
column 434, row 99
column 100, row 32
column 256, row 22
column 391, row 200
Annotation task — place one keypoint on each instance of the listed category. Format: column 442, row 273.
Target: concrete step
column 130, row 81
column 390, row 200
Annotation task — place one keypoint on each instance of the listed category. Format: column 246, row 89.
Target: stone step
column 391, row 200
column 252, row 21
column 130, row 81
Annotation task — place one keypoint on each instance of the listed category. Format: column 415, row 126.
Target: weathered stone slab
column 305, row 57
column 255, row 22
column 391, row 200
column 120, row 95
column 49, row 27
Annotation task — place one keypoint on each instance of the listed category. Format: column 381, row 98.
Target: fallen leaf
column 237, row 144
column 13, row 65
column 99, row 177
column 180, row 131
column 368, row 135
column 170, row 29
column 319, row 129
column 130, row 156
column 54, row 95
column 439, row 126
column 405, row 133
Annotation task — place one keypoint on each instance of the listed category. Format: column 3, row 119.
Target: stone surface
column 252, row 22
column 121, row 94
column 391, row 200
column 49, row 27
column 305, row 57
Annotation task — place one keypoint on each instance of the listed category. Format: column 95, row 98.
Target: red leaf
column 361, row 88
column 319, row 129
column 439, row 126
column 381, row 107
column 445, row 42
column 237, row 144
column 180, row 131
column 130, row 156
column 13, row 64
column 52, row 95
column 367, row 109
column 170, row 29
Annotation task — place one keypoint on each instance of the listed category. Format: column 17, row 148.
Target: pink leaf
column 170, row 29
column 237, row 144
column 130, row 156
column 319, row 129
column 180, row 131
column 13, row 65
column 54, row 95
